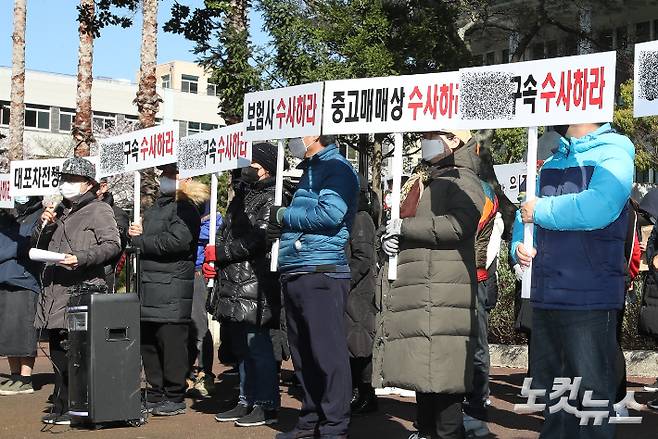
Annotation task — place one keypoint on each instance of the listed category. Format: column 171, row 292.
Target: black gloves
column 274, row 227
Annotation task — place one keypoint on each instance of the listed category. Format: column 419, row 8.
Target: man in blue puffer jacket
column 578, row 270
column 315, row 278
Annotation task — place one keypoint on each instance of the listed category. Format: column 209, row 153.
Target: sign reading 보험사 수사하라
column 512, row 178
column 412, row 103
column 283, row 113
column 139, row 149
column 645, row 91
column 218, row 150
column 38, row 177
column 556, row 91
column 6, row 200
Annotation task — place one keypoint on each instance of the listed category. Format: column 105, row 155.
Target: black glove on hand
column 274, row 228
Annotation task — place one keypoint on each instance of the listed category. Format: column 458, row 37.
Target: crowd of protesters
column 330, row 308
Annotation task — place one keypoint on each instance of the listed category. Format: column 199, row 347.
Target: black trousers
column 440, row 415
column 315, row 311
column 361, row 371
column 165, row 358
column 200, row 346
column 61, row 365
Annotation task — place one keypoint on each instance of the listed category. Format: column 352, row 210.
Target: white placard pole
column 137, row 187
column 396, row 169
column 278, row 199
column 212, row 231
column 529, row 228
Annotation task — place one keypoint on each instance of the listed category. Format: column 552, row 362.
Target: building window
column 104, row 122
column 190, row 84
column 208, row 126
column 537, row 51
column 131, row 121
column 193, row 128
column 655, row 29
column 622, row 37
column 643, row 32
column 505, row 56
column 551, row 49
column 605, row 39
column 211, row 89
column 38, row 118
column 166, row 81
column 478, row 60
column 4, row 114
column 66, row 120
column 491, row 58
column 571, row 46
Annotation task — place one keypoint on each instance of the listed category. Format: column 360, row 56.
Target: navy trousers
column 315, row 311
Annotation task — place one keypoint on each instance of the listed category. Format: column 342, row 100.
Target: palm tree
column 82, row 126
column 17, row 106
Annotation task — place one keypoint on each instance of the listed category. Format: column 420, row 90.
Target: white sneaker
column 476, row 427
column 405, row 393
column 386, row 391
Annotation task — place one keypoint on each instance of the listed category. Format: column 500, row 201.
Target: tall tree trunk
column 147, row 98
column 237, row 21
column 17, row 106
column 82, row 126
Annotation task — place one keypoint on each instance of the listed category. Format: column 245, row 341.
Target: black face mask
column 249, row 175
column 561, row 130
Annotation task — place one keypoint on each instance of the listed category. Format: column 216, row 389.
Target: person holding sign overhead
column 427, row 329
column 578, row 269
column 82, row 228
column 167, row 240
column 315, row 278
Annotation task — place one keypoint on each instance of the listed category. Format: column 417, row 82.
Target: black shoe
column 56, row 419
column 150, row 405
column 169, row 408
column 653, row 405
column 652, row 387
column 355, row 396
column 296, row 434
column 234, row 371
column 364, row 405
column 258, row 416
column 237, row 412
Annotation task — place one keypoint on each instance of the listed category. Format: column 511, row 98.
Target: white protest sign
column 6, row 200
column 139, row 149
column 412, row 103
column 556, row 91
column 283, row 113
column 35, row 177
column 512, row 177
column 645, row 92
column 213, row 151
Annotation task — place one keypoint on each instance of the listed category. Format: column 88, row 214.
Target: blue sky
column 52, row 39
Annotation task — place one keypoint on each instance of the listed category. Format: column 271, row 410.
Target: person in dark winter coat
column 83, row 228
column 248, row 298
column 427, row 329
column 361, row 311
column 123, row 222
column 19, row 294
column 167, row 240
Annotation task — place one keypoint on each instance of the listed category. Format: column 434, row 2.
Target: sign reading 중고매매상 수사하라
column 221, row 149
column 645, row 91
column 556, row 91
column 413, row 103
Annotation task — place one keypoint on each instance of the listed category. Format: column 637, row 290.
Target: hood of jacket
column 604, row 135
column 193, row 191
column 462, row 157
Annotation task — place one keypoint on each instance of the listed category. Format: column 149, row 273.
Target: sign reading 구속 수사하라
column 218, row 150
column 283, row 113
column 412, row 103
column 6, row 200
column 556, row 91
column 139, row 149
column 645, row 91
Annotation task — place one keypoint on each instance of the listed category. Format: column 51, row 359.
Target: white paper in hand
column 38, row 255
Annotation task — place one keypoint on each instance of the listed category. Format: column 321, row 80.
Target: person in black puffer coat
column 168, row 243
column 247, row 298
column 361, row 311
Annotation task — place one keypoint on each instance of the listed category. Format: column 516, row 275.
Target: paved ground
column 20, row 415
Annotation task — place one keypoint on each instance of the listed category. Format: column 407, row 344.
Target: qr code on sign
column 648, row 75
column 487, row 95
column 112, row 158
column 191, row 154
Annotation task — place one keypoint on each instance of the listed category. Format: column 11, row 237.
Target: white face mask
column 297, row 147
column 432, row 148
column 70, row 190
column 168, row 186
column 22, row 199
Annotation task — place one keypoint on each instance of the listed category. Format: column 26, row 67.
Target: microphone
column 53, row 201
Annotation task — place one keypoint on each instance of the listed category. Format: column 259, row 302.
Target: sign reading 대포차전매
column 645, row 91
column 556, row 91
column 283, row 113
column 6, row 200
column 412, row 103
column 218, row 150
column 35, row 177
column 512, row 178
column 137, row 150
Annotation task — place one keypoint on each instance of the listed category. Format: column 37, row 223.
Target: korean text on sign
column 577, row 89
column 6, row 200
column 512, row 178
column 218, row 150
column 35, row 177
column 137, row 150
column 398, row 103
column 283, row 113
